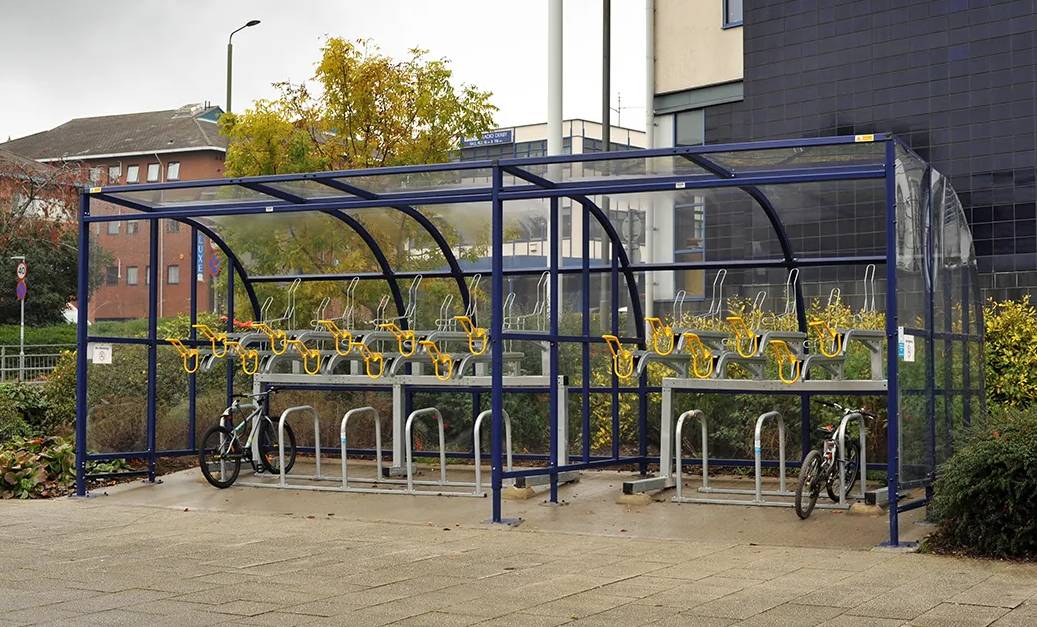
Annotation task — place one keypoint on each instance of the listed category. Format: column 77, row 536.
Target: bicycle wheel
column 849, row 469
column 269, row 452
column 220, row 456
column 809, row 484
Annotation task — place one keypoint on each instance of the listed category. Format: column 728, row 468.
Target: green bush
column 48, row 334
column 1011, row 352
column 12, row 425
column 985, row 498
column 36, row 468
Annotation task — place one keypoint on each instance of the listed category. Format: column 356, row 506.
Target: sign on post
column 21, row 271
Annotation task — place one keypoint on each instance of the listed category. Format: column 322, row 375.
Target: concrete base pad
column 518, row 494
column 639, row 498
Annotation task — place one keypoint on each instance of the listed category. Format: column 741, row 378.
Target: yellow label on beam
column 864, row 138
column 95, row 190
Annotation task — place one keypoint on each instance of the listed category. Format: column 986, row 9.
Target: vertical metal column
column 552, row 403
column 192, row 378
column 892, row 356
column 966, row 320
column 497, row 342
column 82, row 320
column 153, row 258
column 930, row 327
column 585, row 285
column 230, row 329
column 614, row 288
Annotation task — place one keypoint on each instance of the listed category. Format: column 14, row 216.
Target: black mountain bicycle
column 821, row 466
column 222, row 449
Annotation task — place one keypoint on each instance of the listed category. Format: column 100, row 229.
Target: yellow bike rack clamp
column 341, row 336
column 475, row 334
column 744, row 337
column 310, row 356
column 403, row 336
column 246, row 356
column 699, row 353
column 622, row 359
column 827, row 337
column 439, row 359
column 213, row 337
column 274, row 335
column 186, row 354
column 783, row 355
column 371, row 357
column 660, row 330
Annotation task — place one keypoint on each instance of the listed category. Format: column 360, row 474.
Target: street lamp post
column 230, row 56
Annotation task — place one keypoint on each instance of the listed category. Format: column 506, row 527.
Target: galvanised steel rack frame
column 750, row 167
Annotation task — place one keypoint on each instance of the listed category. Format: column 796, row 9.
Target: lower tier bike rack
column 758, row 493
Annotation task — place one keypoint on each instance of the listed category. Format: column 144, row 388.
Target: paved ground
column 106, row 560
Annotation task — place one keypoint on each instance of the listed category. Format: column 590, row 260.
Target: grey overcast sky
column 65, row 59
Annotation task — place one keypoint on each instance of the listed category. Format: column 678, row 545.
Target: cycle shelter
column 543, row 299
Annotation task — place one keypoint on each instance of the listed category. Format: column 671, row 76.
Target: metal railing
column 39, row 360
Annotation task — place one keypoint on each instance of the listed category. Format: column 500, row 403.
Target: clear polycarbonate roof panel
column 309, row 189
column 295, row 243
column 430, row 181
column 743, row 161
column 195, row 196
column 635, row 166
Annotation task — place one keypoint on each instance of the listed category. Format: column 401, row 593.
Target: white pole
column 554, row 77
column 649, row 287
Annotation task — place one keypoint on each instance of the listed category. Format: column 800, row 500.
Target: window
column 173, row 171
column 133, row 226
column 732, row 13
column 689, row 231
column 132, row 275
column 154, row 170
column 114, row 172
column 173, row 275
column 172, row 227
column 132, row 173
column 111, row 275
column 689, row 128
column 147, row 275
column 113, row 228
column 95, row 176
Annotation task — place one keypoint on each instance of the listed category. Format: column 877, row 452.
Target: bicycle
column 819, row 466
column 222, row 450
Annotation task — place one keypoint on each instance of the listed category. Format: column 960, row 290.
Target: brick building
column 177, row 144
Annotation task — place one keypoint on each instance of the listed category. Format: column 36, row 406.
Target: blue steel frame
column 527, row 185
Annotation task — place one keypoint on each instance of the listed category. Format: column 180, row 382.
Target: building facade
column 156, row 146
column 955, row 79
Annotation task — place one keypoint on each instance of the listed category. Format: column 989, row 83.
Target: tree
column 362, row 109
column 37, row 205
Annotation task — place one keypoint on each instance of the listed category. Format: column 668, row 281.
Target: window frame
column 135, row 168
column 132, row 275
column 114, row 227
column 118, row 174
column 132, row 227
column 158, row 172
column 169, row 167
column 169, row 277
column 728, row 24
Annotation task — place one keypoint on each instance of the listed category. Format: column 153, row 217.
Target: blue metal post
column 497, row 341
column 614, row 304
column 82, row 320
column 585, row 286
column 930, row 326
column 553, row 408
column 892, row 356
column 230, row 329
column 192, row 379
column 154, row 260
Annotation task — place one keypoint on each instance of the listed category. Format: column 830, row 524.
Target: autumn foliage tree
column 361, row 109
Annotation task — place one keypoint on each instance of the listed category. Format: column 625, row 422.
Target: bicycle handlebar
column 847, row 410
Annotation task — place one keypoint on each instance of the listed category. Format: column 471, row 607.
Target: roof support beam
column 275, row 192
column 709, row 165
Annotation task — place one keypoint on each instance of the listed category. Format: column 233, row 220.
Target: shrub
column 47, row 334
column 985, row 497
column 35, row 468
column 1011, row 352
column 12, row 425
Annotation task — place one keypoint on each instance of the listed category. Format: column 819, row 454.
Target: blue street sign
column 214, row 264
column 489, row 138
column 21, row 291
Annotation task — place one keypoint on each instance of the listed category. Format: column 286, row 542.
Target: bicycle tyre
column 220, row 447
column 809, row 473
column 269, row 453
column 849, row 469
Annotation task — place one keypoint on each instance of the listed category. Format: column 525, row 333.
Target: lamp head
column 251, row 23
